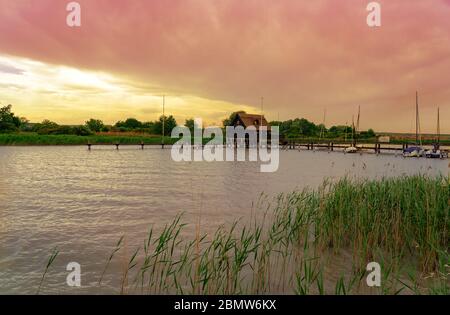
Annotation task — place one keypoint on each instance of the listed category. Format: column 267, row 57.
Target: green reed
column 295, row 245
column 50, row 261
column 394, row 221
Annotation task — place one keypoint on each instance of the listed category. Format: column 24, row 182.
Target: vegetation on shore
column 16, row 130
column 308, row 242
column 30, row 138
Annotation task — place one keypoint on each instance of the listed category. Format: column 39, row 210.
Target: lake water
column 84, row 201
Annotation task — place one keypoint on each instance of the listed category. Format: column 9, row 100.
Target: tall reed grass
column 310, row 242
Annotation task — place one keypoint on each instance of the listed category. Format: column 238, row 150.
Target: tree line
column 301, row 127
column 9, row 122
column 292, row 128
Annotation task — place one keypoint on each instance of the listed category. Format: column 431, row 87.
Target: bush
column 81, row 131
column 95, row 125
column 8, row 121
column 129, row 124
column 61, row 130
column 50, row 128
column 7, row 127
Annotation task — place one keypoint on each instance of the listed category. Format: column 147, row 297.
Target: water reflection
column 83, row 201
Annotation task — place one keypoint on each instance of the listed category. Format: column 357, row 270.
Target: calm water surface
column 82, row 202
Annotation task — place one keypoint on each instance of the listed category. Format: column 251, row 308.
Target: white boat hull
column 350, row 150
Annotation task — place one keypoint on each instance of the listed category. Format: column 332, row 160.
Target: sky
column 213, row 57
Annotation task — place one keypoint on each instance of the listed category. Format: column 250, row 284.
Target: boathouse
column 247, row 120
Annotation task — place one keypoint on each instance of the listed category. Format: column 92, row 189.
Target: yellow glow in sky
column 66, row 95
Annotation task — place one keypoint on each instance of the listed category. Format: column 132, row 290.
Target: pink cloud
column 301, row 55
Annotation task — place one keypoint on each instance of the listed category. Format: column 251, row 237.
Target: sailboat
column 436, row 153
column 415, row 151
column 353, row 148
column 323, row 130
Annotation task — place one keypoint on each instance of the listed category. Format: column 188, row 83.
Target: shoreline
column 34, row 139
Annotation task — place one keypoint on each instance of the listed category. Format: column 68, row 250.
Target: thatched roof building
column 246, row 120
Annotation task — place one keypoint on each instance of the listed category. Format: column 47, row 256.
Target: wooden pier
column 363, row 147
column 376, row 148
column 116, row 145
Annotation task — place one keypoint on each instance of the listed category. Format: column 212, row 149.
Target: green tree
column 8, row 121
column 169, row 124
column 82, row 131
column 46, row 127
column 95, row 125
column 130, row 123
column 228, row 121
column 367, row 134
column 190, row 123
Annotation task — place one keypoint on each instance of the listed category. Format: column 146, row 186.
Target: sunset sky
column 212, row 57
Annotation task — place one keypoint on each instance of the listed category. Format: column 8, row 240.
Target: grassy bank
column 308, row 242
column 36, row 139
column 445, row 140
column 31, row 138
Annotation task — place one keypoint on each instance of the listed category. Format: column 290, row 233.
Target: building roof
column 249, row 120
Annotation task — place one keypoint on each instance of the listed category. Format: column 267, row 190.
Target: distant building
column 247, row 120
column 384, row 139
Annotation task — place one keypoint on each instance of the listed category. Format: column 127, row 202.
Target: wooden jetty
column 118, row 144
column 376, row 147
column 300, row 144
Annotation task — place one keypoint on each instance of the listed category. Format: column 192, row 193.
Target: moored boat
column 436, row 153
column 351, row 149
column 433, row 154
column 413, row 152
column 416, row 151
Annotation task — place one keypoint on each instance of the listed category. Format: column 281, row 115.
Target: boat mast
column 260, row 123
column 346, row 126
column 164, row 119
column 418, row 135
column 357, row 120
column 353, row 131
column 322, row 130
column 438, row 128
column 417, row 118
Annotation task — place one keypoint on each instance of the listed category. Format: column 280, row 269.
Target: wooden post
column 89, row 146
column 142, row 145
column 332, row 146
column 163, row 122
column 117, row 146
